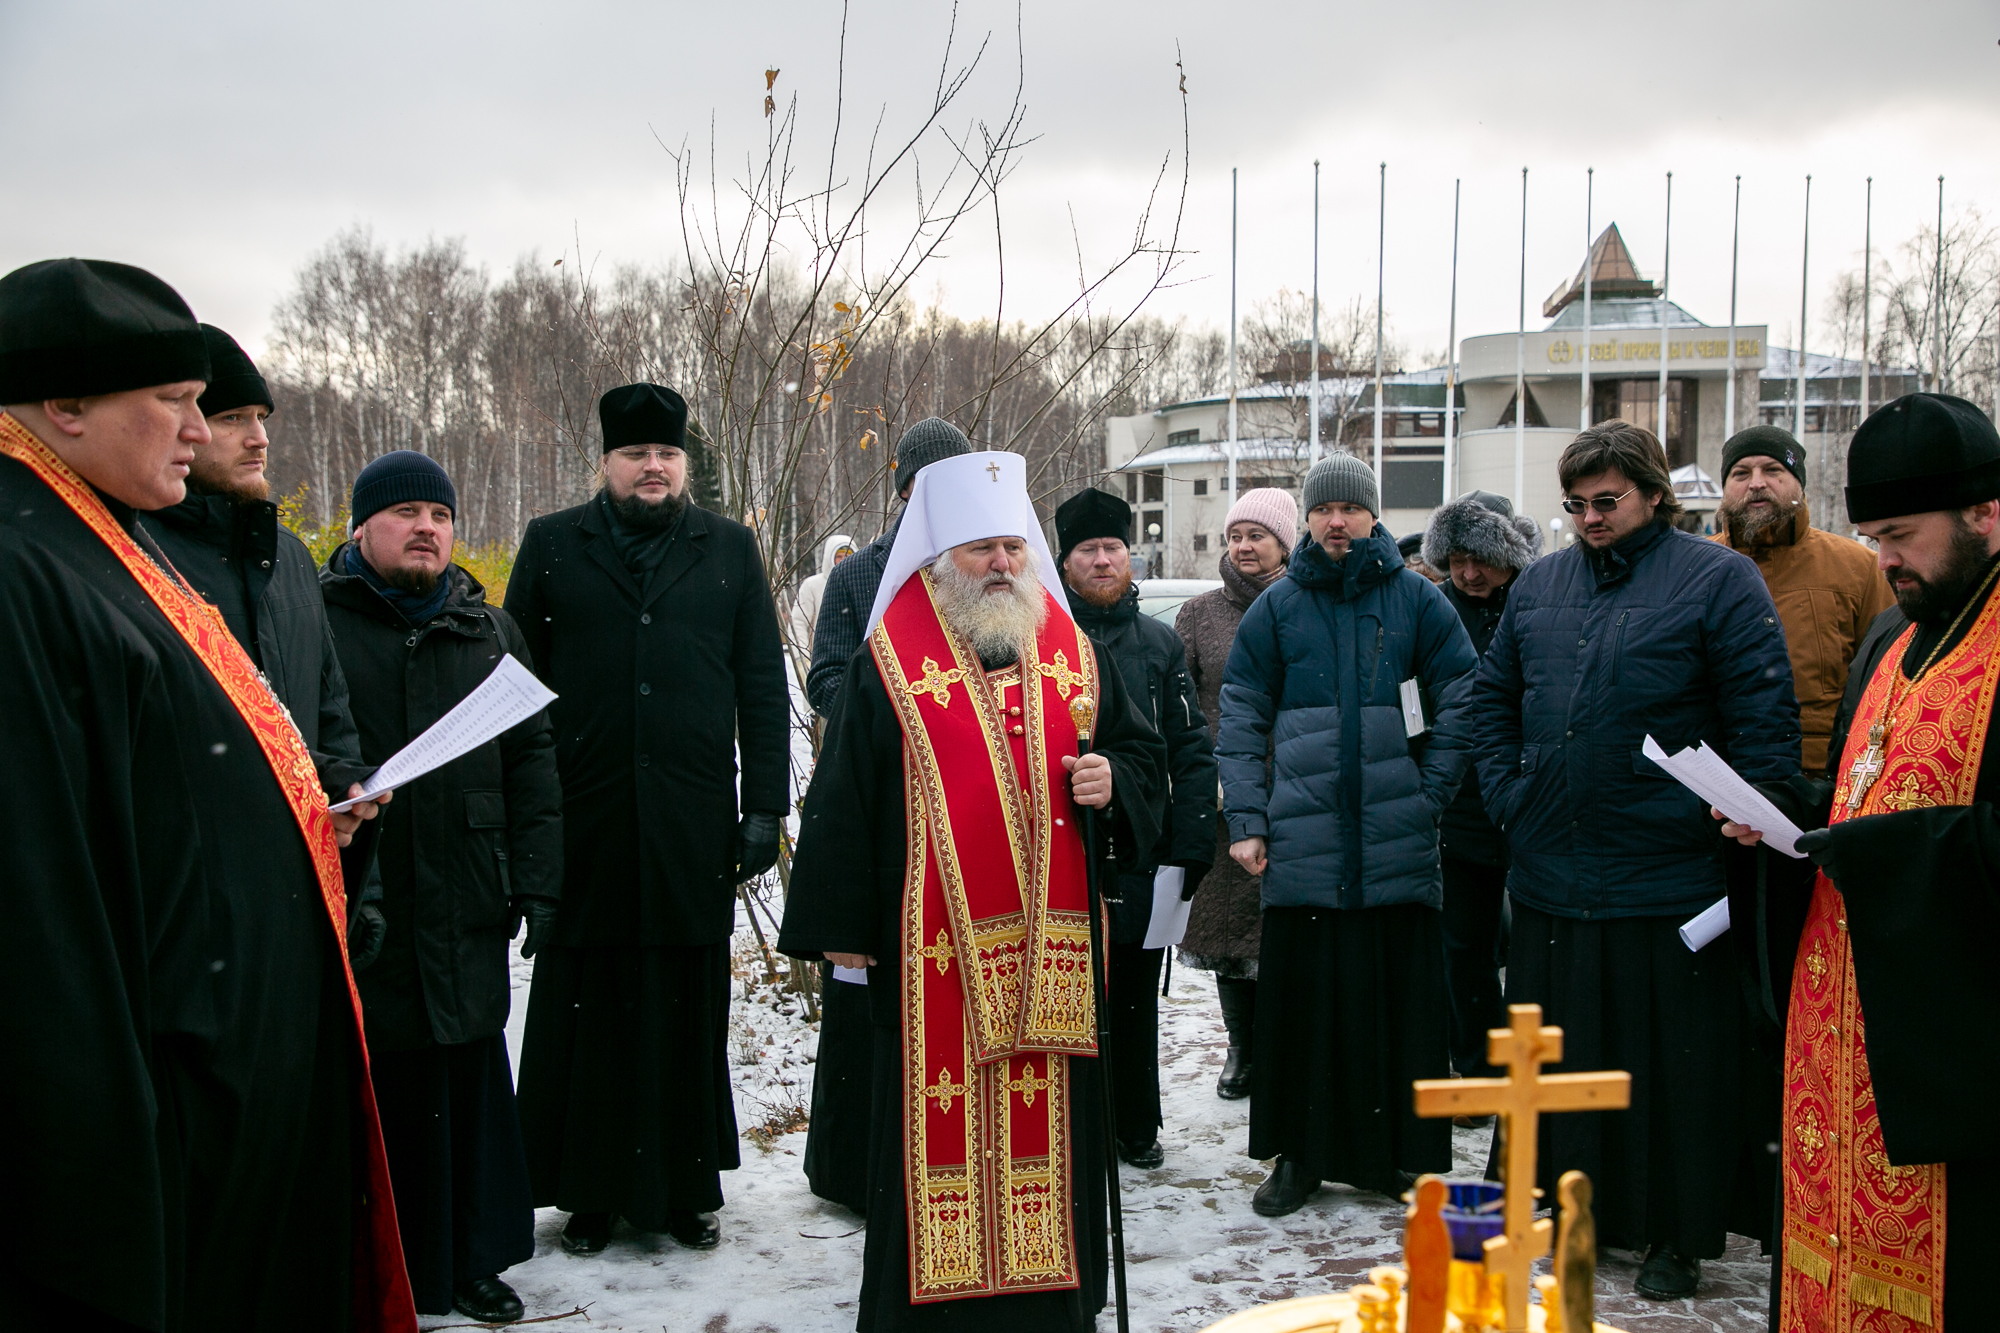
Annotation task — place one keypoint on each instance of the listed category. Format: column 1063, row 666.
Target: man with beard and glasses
column 1225, row 923
column 652, row 620
column 1826, row 587
column 942, row 849
column 226, row 541
column 1091, row 528
column 1890, row 1049
column 464, row 855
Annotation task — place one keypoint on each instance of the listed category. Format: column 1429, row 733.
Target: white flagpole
column 1583, row 389
column 1937, row 324
column 1381, row 238
column 1451, row 353
column 1805, row 256
column 1232, row 336
column 1521, row 363
column 1867, row 284
column 1313, row 452
column 1729, row 391
column 1666, row 276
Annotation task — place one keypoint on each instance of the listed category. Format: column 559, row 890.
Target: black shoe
column 1234, row 1085
column 697, row 1231
column 587, row 1233
column 487, row 1299
column 1145, row 1155
column 1667, row 1275
column 1285, row 1192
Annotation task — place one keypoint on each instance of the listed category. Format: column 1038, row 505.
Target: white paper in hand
column 1706, row 774
column 1170, row 914
column 510, row 695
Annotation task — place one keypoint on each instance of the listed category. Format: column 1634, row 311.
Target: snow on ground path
column 1195, row 1249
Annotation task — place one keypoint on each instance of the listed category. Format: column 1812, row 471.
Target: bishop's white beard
column 1000, row 628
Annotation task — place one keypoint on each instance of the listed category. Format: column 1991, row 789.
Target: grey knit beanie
column 1341, row 479
column 923, row 444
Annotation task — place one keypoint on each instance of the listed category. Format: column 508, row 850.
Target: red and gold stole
column 382, row 1298
column 996, row 943
column 1864, row 1237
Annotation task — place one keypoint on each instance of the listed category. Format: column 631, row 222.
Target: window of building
column 1200, row 542
column 1184, row 437
column 1638, row 401
column 1201, row 486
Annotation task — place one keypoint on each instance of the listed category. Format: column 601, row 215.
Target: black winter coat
column 1152, row 662
column 261, row 577
column 1663, row 634
column 1464, row 831
column 461, row 843
column 660, row 688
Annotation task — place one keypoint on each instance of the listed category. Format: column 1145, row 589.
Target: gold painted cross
column 1026, row 1083
column 939, row 953
column 1519, row 1099
column 1060, row 673
column 946, row 1091
column 1867, row 767
column 994, row 468
column 937, row 683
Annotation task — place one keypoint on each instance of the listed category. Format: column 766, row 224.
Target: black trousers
column 455, row 1156
column 1132, row 1024
column 1474, row 897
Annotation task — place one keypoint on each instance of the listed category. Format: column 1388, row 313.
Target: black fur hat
column 1484, row 526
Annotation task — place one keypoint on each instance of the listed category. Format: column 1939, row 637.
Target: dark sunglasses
column 1603, row 504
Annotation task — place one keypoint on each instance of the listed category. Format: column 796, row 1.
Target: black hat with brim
column 1088, row 515
column 642, row 414
column 76, row 328
column 233, row 380
column 1921, row 453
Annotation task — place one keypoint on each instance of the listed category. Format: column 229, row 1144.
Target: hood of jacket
column 1370, row 561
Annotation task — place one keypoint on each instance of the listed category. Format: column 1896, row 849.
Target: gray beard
column 999, row 629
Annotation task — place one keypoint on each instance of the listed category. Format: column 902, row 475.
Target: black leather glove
column 365, row 934
column 756, row 845
column 1192, row 872
column 540, row 914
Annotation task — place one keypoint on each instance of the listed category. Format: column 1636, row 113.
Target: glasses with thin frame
column 1603, row 504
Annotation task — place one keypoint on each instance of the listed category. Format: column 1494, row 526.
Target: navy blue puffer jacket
column 1347, row 805
column 1663, row 634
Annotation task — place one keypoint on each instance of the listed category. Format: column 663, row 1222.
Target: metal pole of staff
column 1083, row 712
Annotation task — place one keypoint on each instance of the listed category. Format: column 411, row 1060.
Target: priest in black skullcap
column 652, row 620
column 1891, row 1052
column 193, row 1143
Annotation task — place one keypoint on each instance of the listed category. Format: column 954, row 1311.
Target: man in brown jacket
column 1826, row 587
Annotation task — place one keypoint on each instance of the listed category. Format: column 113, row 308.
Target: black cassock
column 847, row 897
column 1922, row 891
column 182, row 1146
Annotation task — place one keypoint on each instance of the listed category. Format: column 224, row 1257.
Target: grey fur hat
column 1484, row 526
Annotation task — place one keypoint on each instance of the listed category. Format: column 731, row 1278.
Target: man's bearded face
column 990, row 592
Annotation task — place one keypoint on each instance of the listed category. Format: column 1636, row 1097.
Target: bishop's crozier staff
column 942, row 849
column 195, row 1139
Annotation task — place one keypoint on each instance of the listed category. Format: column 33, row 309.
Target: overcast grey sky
column 220, row 142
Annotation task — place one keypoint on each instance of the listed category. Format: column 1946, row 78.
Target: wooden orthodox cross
column 1523, row 1046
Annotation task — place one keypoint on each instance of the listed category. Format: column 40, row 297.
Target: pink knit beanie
column 1269, row 508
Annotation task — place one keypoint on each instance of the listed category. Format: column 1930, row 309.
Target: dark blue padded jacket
column 1662, row 634
column 1347, row 804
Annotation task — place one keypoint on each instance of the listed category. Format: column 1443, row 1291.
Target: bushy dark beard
column 206, row 479
column 641, row 515
column 1939, row 597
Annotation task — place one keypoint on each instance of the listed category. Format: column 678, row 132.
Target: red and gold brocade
column 1864, row 1237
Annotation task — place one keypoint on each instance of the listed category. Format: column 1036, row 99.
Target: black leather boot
column 1285, row 1192
column 486, row 1299
column 1239, row 1008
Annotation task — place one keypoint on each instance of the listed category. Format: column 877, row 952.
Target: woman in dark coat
column 1225, row 923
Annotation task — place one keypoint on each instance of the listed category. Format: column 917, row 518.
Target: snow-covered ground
column 1196, row 1251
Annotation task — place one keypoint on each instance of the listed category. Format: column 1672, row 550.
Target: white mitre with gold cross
column 964, row 499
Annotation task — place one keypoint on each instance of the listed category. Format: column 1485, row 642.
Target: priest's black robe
column 1922, row 890
column 847, row 897
column 182, row 1066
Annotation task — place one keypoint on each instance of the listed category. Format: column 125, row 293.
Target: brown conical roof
column 1612, row 273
